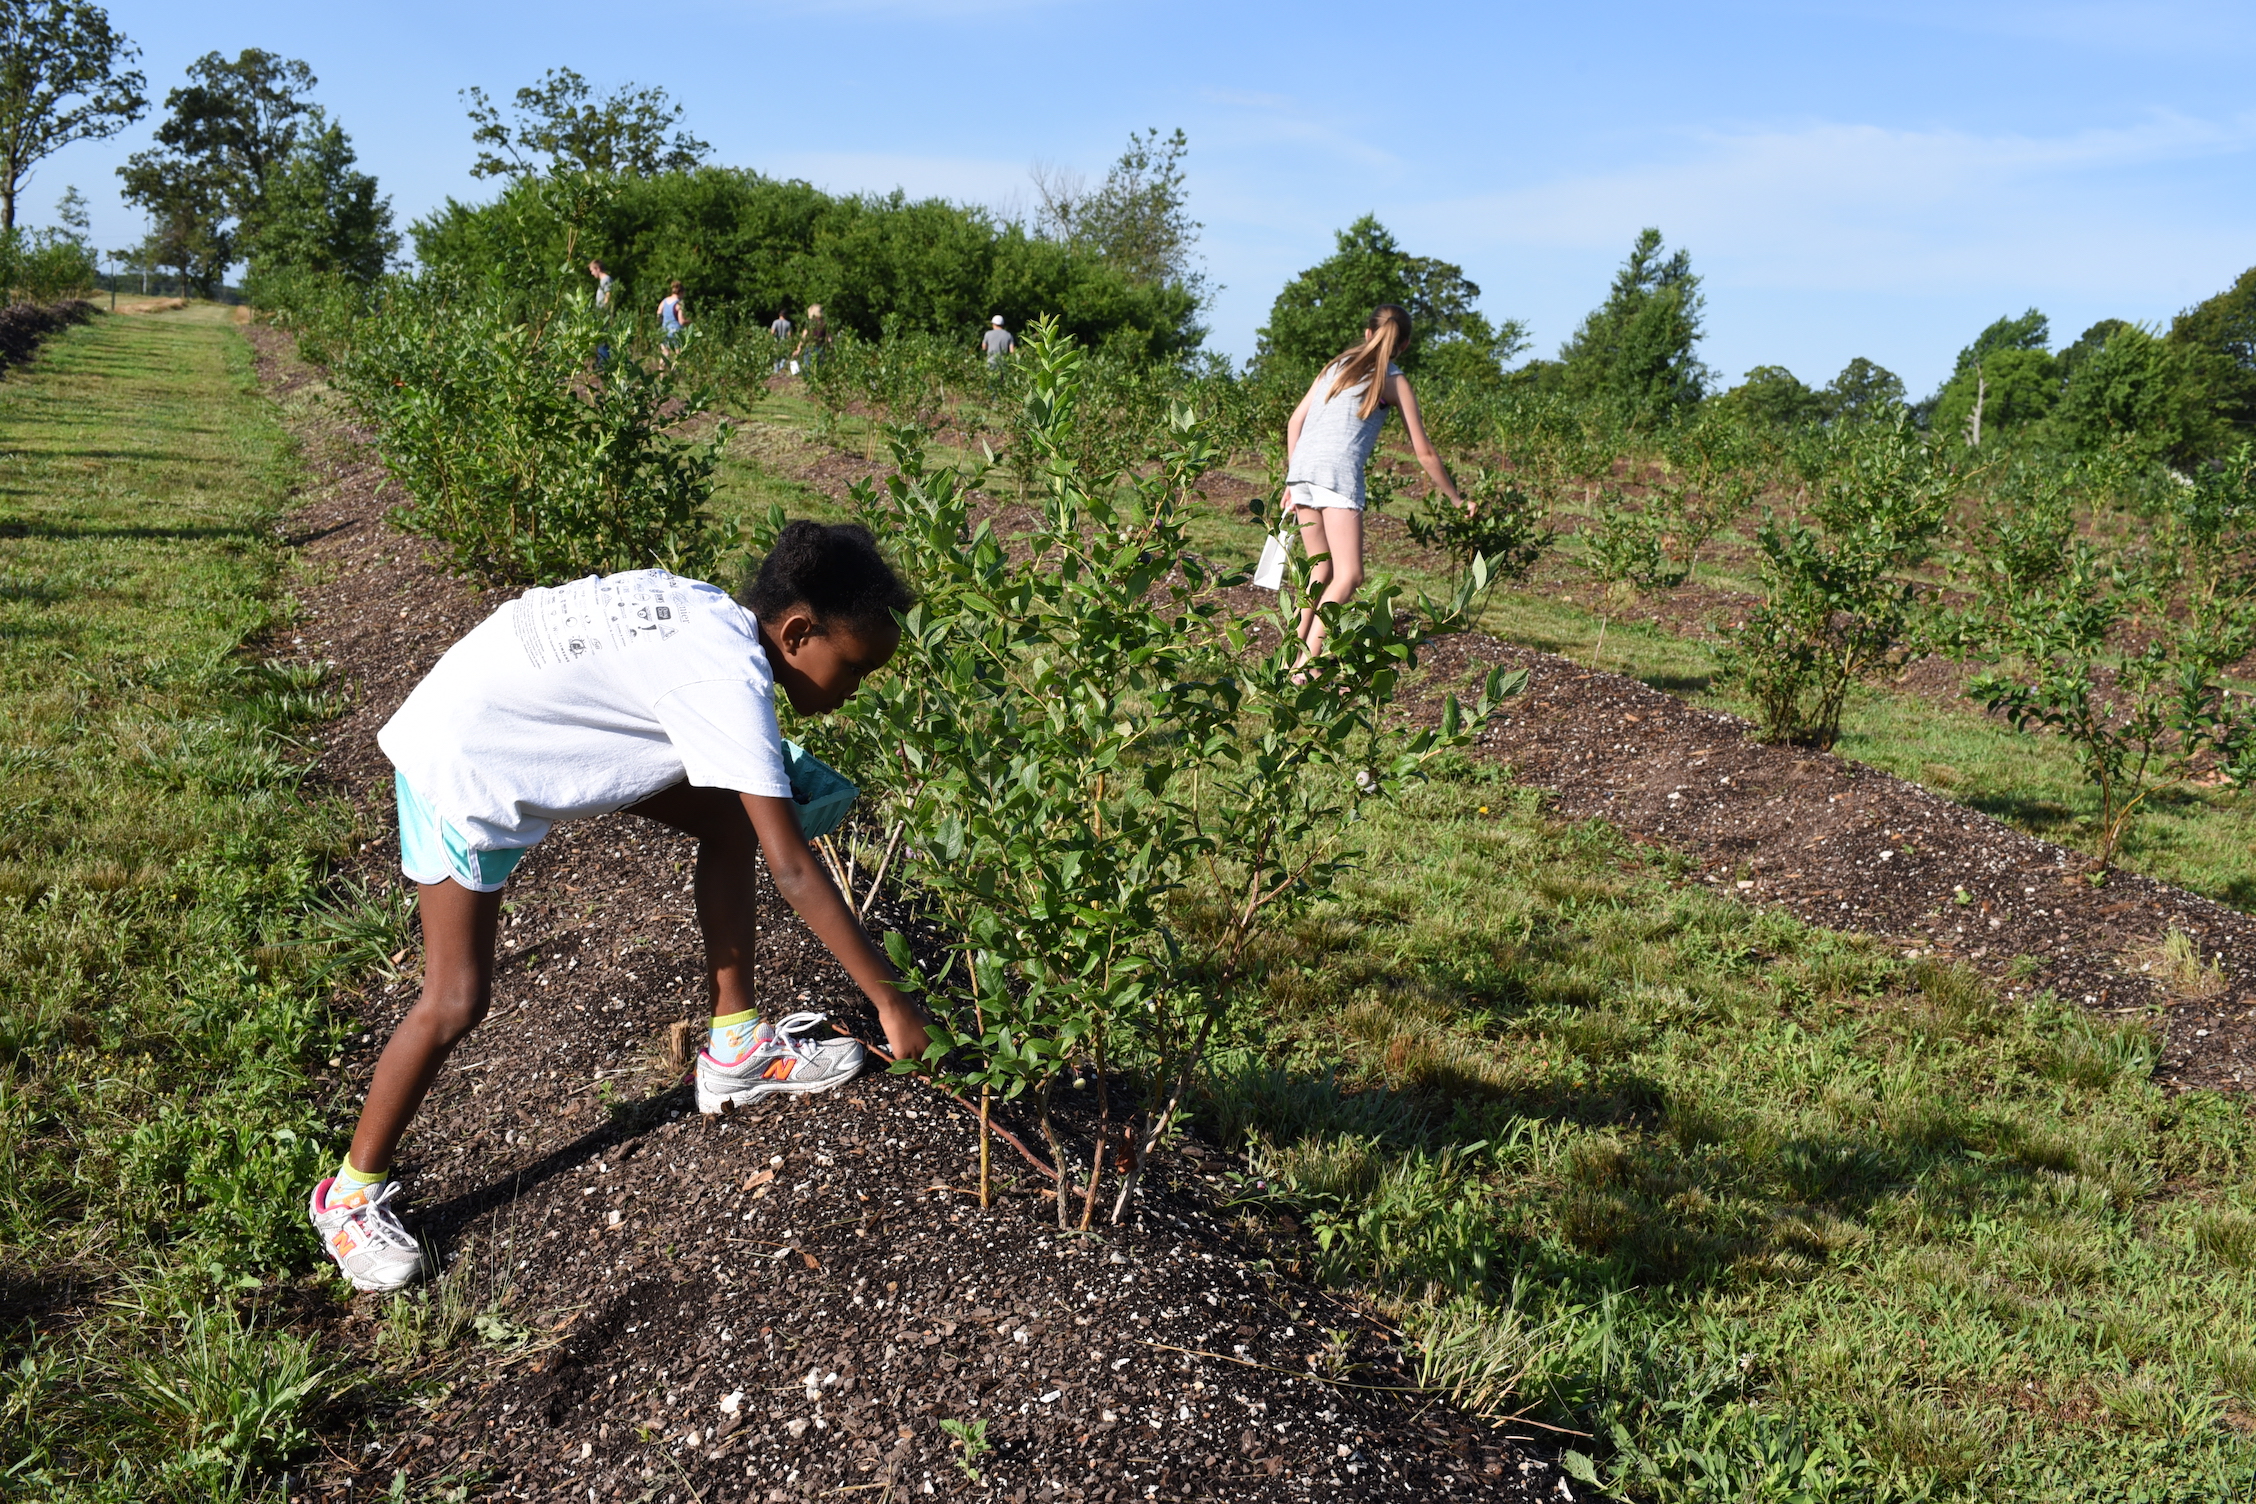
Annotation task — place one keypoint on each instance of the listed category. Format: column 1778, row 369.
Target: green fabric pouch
column 820, row 791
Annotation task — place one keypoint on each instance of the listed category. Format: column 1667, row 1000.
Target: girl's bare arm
column 1420, row 445
column 1297, row 422
column 806, row 886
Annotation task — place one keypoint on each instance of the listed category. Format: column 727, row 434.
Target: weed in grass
column 2088, row 1053
column 1481, row 1356
column 226, row 1396
column 1947, row 1447
column 2226, row 1235
column 471, row 1297
column 368, row 927
column 2176, row 963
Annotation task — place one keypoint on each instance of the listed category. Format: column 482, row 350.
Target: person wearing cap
column 996, row 342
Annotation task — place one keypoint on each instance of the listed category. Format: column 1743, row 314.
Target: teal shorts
column 431, row 851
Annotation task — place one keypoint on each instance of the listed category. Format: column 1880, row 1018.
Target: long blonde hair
column 1385, row 334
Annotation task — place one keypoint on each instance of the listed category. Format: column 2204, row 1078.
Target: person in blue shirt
column 673, row 319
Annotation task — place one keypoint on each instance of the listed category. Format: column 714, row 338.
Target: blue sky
column 1865, row 179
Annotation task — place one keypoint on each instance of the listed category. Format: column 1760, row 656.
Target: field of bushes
column 1763, row 1210
column 1729, row 1205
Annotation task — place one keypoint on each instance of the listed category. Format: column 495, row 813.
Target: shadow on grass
column 1685, row 685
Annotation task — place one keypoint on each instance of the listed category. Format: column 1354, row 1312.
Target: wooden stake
column 984, row 1091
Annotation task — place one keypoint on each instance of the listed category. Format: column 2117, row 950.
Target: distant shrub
column 45, row 266
column 532, row 441
column 1837, row 603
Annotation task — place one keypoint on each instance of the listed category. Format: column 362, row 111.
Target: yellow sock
column 732, row 1034
column 350, row 1180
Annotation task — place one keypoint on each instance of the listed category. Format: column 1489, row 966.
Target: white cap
column 997, row 319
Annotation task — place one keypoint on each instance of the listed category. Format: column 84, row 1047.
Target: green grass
column 161, row 947
column 1772, row 1215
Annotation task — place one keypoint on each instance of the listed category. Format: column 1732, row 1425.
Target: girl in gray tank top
column 1329, row 442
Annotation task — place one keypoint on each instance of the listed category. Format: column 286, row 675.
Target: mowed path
column 158, row 867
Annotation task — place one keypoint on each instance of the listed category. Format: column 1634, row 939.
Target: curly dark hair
column 834, row 570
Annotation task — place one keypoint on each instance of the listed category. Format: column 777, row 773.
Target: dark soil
column 1853, row 848
column 787, row 1303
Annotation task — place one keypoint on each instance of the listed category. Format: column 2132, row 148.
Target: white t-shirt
column 585, row 698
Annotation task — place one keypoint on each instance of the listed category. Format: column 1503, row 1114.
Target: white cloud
column 971, row 180
column 2173, row 28
column 1872, row 208
column 1283, row 119
column 923, row 10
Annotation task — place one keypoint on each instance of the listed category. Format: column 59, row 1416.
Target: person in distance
column 652, row 694
column 1328, row 442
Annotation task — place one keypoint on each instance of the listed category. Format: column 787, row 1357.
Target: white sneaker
column 364, row 1235
column 779, row 1061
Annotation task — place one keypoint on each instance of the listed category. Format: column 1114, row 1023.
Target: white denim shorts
column 1316, row 497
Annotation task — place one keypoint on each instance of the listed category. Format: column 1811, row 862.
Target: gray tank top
column 1336, row 441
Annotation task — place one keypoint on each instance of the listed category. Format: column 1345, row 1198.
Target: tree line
column 249, row 170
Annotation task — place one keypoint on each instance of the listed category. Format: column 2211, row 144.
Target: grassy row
column 1770, row 1214
column 163, row 946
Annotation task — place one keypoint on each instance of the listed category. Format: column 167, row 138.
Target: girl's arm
column 800, row 878
column 1297, row 422
column 1420, row 445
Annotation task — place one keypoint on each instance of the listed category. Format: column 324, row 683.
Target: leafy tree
column 1863, row 391
column 560, row 120
column 2223, row 330
column 187, row 218
column 741, row 241
column 527, row 472
column 1836, row 600
column 2144, row 393
column 1634, row 352
column 1322, row 311
column 73, row 215
column 1774, row 397
column 2144, row 721
column 322, row 214
column 2015, row 387
column 2088, row 344
column 61, row 80
column 1138, row 220
column 225, row 131
column 1114, row 800
column 2031, row 331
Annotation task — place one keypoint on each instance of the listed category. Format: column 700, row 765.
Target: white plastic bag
column 1269, row 574
column 795, row 368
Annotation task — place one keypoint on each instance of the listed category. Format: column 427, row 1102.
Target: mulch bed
column 786, row 1303
column 1852, row 848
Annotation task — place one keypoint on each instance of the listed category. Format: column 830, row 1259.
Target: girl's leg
column 1318, row 547
column 1337, row 531
column 459, row 927
column 726, row 909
